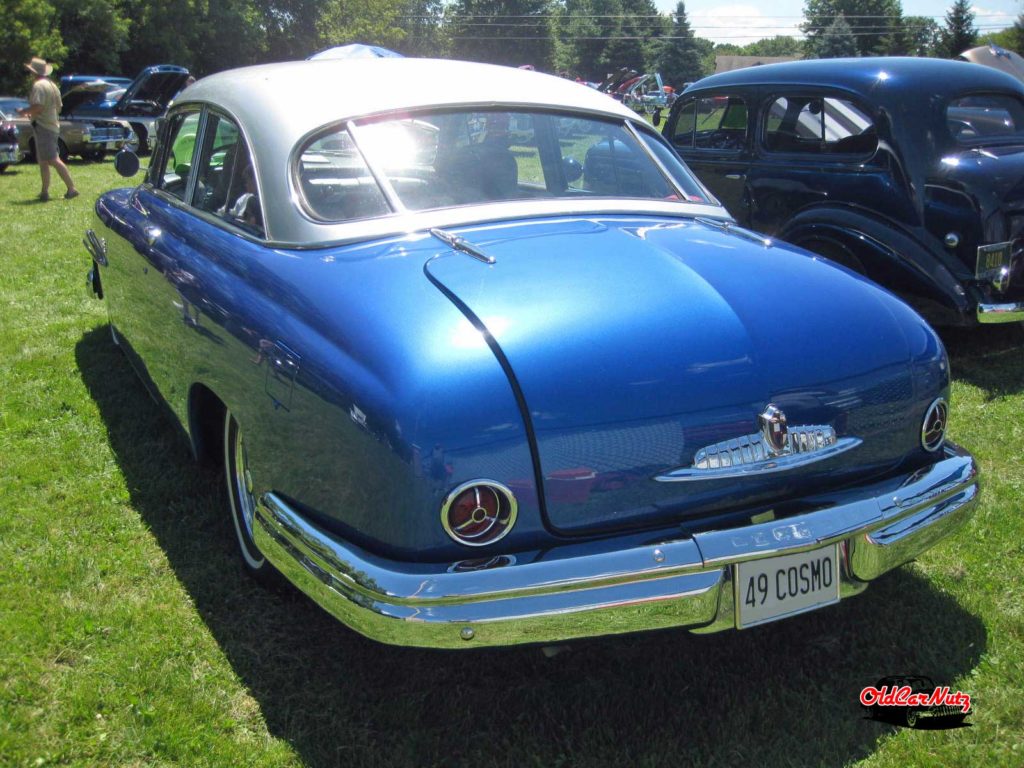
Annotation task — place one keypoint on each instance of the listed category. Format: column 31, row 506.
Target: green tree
column 510, row 32
column 161, row 33
column 633, row 47
column 424, row 33
column 29, row 28
column 780, row 45
column 374, row 22
column 586, row 28
column 921, row 34
column 837, row 41
column 678, row 58
column 95, row 33
column 959, row 34
column 872, row 23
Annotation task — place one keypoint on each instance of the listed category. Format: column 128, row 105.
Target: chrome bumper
column 1011, row 312
column 582, row 591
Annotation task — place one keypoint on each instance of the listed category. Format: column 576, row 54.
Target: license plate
column 776, row 587
column 992, row 258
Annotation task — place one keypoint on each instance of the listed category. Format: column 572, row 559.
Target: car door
column 813, row 148
column 712, row 134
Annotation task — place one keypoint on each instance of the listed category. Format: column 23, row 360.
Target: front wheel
column 240, row 497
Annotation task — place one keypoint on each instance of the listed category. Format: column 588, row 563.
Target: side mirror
column 572, row 169
column 126, row 163
column 656, row 117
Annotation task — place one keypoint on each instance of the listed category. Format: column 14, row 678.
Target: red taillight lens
column 478, row 513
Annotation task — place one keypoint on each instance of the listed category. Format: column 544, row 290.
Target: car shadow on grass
column 782, row 694
column 988, row 357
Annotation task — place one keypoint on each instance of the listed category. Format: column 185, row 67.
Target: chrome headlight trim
column 933, row 427
column 508, row 510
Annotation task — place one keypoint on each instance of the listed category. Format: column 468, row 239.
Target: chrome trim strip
column 759, row 463
column 462, row 245
column 591, row 589
column 1013, row 312
column 731, row 228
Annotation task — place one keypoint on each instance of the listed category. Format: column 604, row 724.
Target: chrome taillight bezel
column 504, row 520
column 933, row 426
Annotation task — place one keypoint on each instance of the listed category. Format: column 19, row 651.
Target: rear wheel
column 62, row 151
column 241, row 499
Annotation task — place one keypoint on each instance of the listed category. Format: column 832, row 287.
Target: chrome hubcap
column 243, row 484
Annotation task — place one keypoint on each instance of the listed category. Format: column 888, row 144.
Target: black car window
column 985, row 116
column 682, row 135
column 712, row 122
column 226, row 186
column 818, row 125
column 176, row 167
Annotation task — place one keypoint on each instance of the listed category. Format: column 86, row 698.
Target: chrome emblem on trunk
column 774, row 429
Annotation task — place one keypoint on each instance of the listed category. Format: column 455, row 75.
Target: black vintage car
column 909, row 171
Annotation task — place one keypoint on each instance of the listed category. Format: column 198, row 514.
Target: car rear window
column 454, row 158
column 978, row 117
column 818, row 125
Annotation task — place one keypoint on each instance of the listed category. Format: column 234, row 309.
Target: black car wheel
column 62, row 151
column 241, row 499
column 910, row 717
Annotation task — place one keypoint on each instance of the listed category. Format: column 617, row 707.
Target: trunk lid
column 636, row 343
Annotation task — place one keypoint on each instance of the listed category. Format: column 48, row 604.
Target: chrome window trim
column 390, row 195
column 300, row 204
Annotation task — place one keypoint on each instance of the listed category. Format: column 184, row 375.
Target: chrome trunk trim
column 751, row 455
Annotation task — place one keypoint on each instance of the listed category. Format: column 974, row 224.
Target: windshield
column 447, row 159
column 985, row 117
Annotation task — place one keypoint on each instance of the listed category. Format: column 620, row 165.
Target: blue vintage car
column 484, row 364
column 906, row 170
column 141, row 103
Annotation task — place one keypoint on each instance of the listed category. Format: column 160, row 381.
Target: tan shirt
column 47, row 95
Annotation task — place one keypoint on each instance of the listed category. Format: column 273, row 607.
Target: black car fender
column 877, row 249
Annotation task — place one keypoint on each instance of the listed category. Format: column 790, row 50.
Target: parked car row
column 907, row 171
column 88, row 138
column 484, row 363
column 100, row 114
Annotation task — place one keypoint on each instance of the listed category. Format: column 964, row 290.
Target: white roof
column 277, row 105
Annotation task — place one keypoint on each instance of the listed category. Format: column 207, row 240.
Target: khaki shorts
column 46, row 144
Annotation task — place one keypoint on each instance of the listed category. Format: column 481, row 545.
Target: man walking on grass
column 44, row 109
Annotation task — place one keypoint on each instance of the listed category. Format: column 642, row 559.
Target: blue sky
column 744, row 21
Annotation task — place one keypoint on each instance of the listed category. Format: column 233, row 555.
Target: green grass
column 129, row 636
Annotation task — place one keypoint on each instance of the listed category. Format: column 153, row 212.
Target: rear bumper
column 609, row 587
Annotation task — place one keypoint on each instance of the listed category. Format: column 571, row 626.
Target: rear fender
column 887, row 256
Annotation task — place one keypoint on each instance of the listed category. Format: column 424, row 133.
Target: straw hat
column 39, row 67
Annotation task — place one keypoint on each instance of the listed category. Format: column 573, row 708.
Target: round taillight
column 933, row 428
column 479, row 512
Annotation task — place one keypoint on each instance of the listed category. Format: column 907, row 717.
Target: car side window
column 176, row 166
column 721, row 123
column 682, row 136
column 226, row 186
column 818, row 125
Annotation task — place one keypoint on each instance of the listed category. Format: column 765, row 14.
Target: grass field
column 130, row 637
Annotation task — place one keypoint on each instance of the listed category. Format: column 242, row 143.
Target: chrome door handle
column 735, row 176
column 152, row 234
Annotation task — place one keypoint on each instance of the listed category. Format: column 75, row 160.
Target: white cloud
column 741, row 24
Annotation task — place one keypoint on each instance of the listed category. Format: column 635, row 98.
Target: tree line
column 582, row 38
